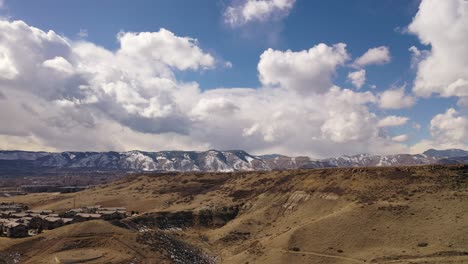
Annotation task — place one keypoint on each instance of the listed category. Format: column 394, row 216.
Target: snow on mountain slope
column 137, row 160
column 213, row 160
column 447, row 153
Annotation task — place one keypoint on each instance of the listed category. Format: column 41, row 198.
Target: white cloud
column 450, row 127
column 390, row 121
column 348, row 119
column 417, row 56
column 448, row 130
column 208, row 107
column 59, row 64
column 7, row 69
column 305, row 72
column 163, row 46
column 400, row 138
column 396, row 98
column 378, row 55
column 246, row 11
column 357, row 78
column 276, row 120
column 443, row 69
column 133, row 85
column 79, row 96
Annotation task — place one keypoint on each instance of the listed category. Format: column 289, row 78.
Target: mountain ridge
column 211, row 160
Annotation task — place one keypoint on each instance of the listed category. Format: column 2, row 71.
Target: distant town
column 16, row 220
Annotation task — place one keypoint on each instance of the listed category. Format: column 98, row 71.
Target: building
column 51, row 222
column 71, row 213
column 35, row 222
column 92, row 209
column 86, row 217
column 18, row 215
column 120, row 209
column 14, row 229
column 67, row 221
column 22, row 223
column 40, row 212
column 111, row 215
column 6, row 214
column 12, row 207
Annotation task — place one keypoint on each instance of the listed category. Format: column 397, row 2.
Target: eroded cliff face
column 202, row 217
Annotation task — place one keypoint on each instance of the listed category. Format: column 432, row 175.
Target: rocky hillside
column 206, row 161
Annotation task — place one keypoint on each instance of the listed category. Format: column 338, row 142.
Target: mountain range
column 207, row 161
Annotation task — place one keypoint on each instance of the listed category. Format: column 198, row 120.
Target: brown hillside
column 347, row 215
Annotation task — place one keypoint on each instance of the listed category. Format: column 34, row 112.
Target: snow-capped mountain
column 209, row 161
column 447, row 153
column 212, row 160
column 361, row 160
column 364, row 160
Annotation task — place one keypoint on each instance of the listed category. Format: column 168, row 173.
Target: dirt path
column 324, row 255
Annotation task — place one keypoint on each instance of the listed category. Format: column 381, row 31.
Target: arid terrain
column 338, row 215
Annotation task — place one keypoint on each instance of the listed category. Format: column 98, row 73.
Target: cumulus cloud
column 69, row 95
column 396, row 98
column 59, row 64
column 443, row 69
column 448, row 130
column 133, row 85
column 357, row 78
column 349, row 120
column 276, row 120
column 246, row 11
column 417, row 56
column 450, row 127
column 378, row 55
column 164, row 47
column 400, row 138
column 305, row 72
column 390, row 121
column 7, row 69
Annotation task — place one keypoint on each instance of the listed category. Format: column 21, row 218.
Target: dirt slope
column 355, row 215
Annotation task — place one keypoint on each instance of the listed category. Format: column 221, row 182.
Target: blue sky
column 361, row 25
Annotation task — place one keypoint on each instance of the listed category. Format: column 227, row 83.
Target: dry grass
column 364, row 215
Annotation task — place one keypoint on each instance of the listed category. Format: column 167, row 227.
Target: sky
column 296, row 77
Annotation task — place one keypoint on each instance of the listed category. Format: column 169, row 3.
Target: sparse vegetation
column 279, row 217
